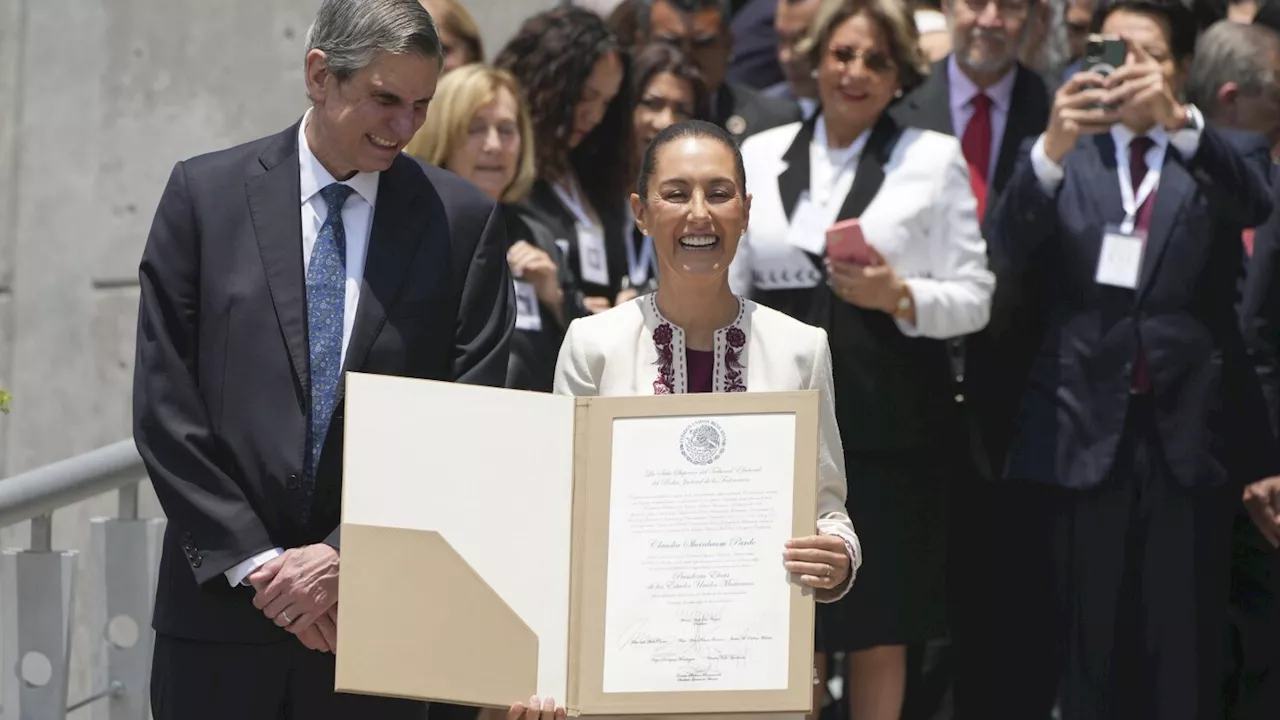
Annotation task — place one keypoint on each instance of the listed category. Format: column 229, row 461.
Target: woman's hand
column 537, row 709
column 535, row 266
column 821, row 561
column 872, row 287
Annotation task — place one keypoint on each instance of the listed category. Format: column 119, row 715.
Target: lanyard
column 639, row 265
column 1132, row 201
column 572, row 200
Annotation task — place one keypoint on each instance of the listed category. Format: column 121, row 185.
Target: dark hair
column 658, row 58
column 689, row 129
column 892, row 18
column 623, row 22
column 644, row 12
column 1182, row 21
column 552, row 55
column 1268, row 15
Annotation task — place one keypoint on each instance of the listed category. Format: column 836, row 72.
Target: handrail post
column 42, row 533
column 128, row 502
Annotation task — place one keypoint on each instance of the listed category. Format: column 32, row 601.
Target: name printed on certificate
column 697, row 596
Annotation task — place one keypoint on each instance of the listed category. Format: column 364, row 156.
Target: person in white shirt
column 888, row 307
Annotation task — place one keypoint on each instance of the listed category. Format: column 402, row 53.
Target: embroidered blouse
column 728, row 360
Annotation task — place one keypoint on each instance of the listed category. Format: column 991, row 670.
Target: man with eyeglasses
column 982, row 94
column 701, row 29
column 791, row 23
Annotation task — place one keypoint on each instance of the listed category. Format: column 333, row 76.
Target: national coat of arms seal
column 702, row 443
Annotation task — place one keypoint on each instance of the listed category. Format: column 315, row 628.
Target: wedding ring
column 827, row 572
column 285, row 615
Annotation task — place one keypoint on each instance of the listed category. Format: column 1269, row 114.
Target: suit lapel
column 1022, row 123
column 398, row 228
column 794, row 180
column 870, row 173
column 1102, row 180
column 275, row 206
column 1176, row 185
column 930, row 105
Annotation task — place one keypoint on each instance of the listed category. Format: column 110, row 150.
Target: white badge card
column 528, row 315
column 591, row 255
column 1120, row 262
column 809, row 223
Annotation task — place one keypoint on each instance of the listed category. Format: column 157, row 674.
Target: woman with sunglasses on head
column 669, row 89
column 576, row 80
column 889, row 290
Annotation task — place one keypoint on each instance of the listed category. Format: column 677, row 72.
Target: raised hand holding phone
column 847, row 244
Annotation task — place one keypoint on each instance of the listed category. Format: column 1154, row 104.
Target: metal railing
column 38, row 587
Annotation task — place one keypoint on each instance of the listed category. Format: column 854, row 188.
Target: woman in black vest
column 889, row 292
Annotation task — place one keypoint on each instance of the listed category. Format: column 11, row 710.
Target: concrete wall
column 98, row 99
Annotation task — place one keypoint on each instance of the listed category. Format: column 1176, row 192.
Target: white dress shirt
column 1186, row 142
column 357, row 221
column 963, row 91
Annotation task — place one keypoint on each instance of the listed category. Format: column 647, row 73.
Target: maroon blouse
column 702, row 370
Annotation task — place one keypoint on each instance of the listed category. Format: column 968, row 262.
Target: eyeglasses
column 1007, row 9
column 877, row 62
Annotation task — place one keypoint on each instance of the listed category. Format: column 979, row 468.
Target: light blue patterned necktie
column 326, row 304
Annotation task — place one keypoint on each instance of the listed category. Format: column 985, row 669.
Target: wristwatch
column 1193, row 120
column 903, row 308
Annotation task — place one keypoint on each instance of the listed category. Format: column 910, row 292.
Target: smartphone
column 846, row 243
column 1103, row 54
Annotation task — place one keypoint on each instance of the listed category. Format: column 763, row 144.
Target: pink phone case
column 846, row 243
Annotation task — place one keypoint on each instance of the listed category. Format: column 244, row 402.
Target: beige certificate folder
column 475, row 544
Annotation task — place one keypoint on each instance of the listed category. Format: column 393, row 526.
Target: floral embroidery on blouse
column 730, row 347
column 732, row 360
column 662, row 337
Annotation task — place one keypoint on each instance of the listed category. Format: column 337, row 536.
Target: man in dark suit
column 701, row 29
column 791, row 25
column 754, row 61
column 1141, row 404
column 1236, row 77
column 270, row 269
column 983, row 95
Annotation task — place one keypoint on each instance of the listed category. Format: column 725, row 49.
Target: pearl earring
column 898, row 94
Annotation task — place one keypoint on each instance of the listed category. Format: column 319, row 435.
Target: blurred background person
column 576, row 78
column 931, row 23
column 754, row 60
column 982, row 94
column 669, row 89
column 459, row 33
column 925, row 280
column 1235, row 79
column 792, row 23
column 622, row 21
column 1077, row 14
column 700, row 28
column 478, row 127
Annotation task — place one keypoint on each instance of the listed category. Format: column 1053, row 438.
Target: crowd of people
column 1052, row 377
column 980, row 369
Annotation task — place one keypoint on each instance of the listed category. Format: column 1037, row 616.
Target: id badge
column 528, row 314
column 809, row 223
column 1120, row 262
column 591, row 256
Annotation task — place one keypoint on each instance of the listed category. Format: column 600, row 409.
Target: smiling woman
column 693, row 335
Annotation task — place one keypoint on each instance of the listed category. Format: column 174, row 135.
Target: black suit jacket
column 1208, row 404
column 559, row 220
column 221, row 385
column 745, row 111
column 1260, row 306
column 991, row 364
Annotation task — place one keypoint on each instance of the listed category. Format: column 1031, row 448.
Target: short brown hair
column 459, row 96
column 893, row 18
column 452, row 16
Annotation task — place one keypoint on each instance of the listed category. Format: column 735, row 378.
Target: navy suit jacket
column 1208, row 404
column 1260, row 307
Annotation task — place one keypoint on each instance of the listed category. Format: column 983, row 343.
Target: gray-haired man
column 271, row 269
column 1236, row 80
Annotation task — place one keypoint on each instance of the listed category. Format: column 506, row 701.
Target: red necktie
column 1138, row 147
column 1247, row 237
column 976, row 145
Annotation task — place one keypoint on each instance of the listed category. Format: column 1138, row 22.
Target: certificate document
column 697, row 597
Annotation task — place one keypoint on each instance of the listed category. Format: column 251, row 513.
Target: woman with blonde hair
column 478, row 126
column 459, row 33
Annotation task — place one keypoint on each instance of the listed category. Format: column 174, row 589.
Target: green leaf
column 4, row 401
